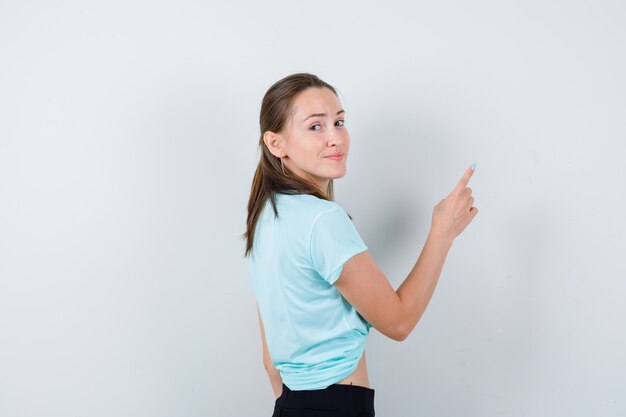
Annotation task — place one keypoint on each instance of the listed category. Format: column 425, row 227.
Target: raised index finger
column 460, row 186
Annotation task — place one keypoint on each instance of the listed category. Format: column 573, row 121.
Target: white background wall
column 128, row 140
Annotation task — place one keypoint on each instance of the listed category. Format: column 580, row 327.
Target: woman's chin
column 337, row 176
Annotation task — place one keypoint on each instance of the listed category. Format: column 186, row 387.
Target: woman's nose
column 334, row 139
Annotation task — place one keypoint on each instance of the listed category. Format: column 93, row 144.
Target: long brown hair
column 269, row 179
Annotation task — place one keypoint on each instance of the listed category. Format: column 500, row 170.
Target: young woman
column 318, row 290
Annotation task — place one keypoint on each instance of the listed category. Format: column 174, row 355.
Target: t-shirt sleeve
column 334, row 240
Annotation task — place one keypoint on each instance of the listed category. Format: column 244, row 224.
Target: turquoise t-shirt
column 314, row 336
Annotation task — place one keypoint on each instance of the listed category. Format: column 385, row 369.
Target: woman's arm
column 274, row 374
column 395, row 313
column 275, row 379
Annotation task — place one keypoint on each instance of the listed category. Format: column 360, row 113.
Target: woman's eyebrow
column 323, row 114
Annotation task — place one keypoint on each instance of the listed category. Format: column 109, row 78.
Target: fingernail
column 474, row 166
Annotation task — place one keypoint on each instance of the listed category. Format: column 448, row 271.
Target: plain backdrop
column 128, row 140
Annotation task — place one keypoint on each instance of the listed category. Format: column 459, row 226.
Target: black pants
column 337, row 400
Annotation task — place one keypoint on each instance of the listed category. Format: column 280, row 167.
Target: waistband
column 335, row 397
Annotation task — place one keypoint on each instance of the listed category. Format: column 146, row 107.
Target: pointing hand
column 452, row 215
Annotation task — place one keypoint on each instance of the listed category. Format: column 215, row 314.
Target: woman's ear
column 274, row 143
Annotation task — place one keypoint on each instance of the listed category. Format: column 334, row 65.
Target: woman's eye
column 341, row 123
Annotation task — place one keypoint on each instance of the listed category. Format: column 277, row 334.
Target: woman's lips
column 335, row 158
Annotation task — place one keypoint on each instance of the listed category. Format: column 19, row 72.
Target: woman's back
column 314, row 336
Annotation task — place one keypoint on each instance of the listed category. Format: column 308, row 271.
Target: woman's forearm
column 275, row 379
column 418, row 288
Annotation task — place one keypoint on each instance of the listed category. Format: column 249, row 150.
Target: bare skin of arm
column 396, row 313
column 274, row 374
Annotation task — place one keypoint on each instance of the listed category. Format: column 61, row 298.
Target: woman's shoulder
column 307, row 204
